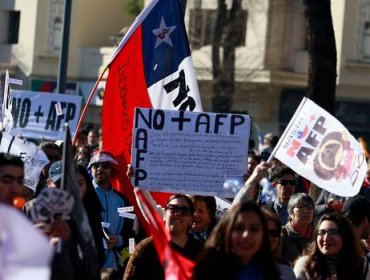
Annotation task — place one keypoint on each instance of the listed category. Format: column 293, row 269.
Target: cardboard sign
column 188, row 152
column 34, row 114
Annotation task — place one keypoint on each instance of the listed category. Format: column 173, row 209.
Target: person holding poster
column 178, row 218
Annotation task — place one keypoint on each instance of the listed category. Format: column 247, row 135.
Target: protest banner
column 318, row 147
column 189, row 152
column 42, row 115
column 33, row 157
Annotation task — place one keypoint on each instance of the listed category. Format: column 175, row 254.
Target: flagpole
column 82, row 117
column 64, row 156
column 287, row 129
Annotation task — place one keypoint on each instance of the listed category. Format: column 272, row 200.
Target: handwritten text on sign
column 188, row 152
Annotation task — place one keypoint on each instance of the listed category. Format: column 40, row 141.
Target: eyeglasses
column 274, row 232
column 286, row 182
column 174, row 209
column 334, row 232
column 104, row 165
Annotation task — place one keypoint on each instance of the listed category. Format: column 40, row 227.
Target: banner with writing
column 188, row 152
column 33, row 157
column 318, row 147
column 42, row 115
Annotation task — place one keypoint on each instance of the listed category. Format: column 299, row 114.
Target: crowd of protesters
column 275, row 228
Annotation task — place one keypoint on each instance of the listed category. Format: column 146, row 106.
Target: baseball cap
column 55, row 171
column 102, row 156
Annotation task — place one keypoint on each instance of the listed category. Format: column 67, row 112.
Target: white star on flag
column 163, row 33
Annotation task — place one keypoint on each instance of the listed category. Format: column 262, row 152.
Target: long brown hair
column 350, row 259
column 218, row 259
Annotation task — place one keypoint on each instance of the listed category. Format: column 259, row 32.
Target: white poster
column 35, row 115
column 188, row 152
column 318, row 147
column 33, row 157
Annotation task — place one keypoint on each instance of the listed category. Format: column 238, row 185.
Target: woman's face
column 82, row 184
column 177, row 216
column 328, row 239
column 246, row 236
column 302, row 214
column 202, row 218
column 274, row 234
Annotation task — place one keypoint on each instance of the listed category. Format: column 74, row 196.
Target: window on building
column 201, row 26
column 14, row 17
column 55, row 25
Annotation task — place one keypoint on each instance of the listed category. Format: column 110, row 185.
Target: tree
column 226, row 34
column 322, row 54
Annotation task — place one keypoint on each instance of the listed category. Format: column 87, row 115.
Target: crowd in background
column 278, row 227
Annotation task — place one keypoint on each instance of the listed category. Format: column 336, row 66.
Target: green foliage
column 133, row 7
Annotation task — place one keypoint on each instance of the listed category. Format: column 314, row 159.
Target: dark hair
column 211, row 206
column 49, row 145
column 185, row 197
column 93, row 209
column 357, row 208
column 279, row 171
column 271, row 215
column 350, row 260
column 218, row 260
column 9, row 159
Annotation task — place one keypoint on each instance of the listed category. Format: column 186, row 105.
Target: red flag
column 151, row 67
column 176, row 267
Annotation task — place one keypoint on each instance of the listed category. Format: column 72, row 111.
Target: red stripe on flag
column 125, row 89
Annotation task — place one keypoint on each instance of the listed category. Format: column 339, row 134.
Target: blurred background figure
column 204, row 218
column 93, row 140
column 274, row 230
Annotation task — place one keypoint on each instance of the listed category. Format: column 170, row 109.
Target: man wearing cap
column 118, row 230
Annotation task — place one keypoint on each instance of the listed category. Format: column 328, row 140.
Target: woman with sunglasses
column 335, row 253
column 298, row 231
column 238, row 247
column 274, row 231
column 178, row 218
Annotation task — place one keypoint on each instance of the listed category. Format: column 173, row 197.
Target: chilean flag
column 151, row 68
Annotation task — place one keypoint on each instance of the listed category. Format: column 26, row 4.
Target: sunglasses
column 174, row 209
column 334, row 232
column 286, row 182
column 104, row 165
column 274, row 232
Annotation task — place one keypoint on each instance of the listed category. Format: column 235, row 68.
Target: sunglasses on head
column 104, row 165
column 274, row 232
column 286, row 182
column 183, row 210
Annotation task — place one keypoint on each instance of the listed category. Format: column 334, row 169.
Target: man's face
column 92, row 138
column 285, row 187
column 11, row 183
column 102, row 173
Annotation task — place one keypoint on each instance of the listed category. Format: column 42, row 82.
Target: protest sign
column 182, row 151
column 33, row 157
column 318, row 147
column 34, row 114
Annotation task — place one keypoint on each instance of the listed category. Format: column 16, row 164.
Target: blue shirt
column 111, row 201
